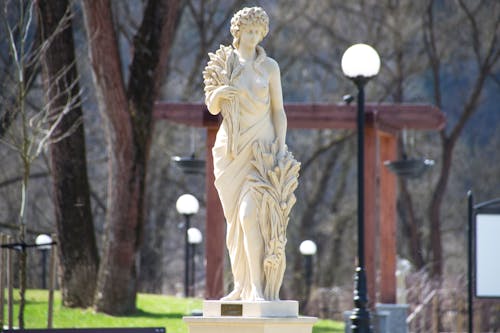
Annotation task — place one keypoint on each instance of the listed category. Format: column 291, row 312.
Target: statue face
column 250, row 36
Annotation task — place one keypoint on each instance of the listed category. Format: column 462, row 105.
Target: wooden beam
column 386, row 117
column 371, row 212
column 387, row 243
column 191, row 114
column 215, row 229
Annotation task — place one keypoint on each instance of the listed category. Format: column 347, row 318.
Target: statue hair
column 249, row 16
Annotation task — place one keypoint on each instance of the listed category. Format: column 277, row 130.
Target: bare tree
column 128, row 109
column 460, row 36
column 31, row 128
column 76, row 238
column 10, row 12
column 483, row 37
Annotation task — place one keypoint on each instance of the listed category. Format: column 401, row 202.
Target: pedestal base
column 259, row 309
column 250, row 317
column 249, row 325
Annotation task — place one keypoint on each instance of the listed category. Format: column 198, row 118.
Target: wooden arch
column 383, row 123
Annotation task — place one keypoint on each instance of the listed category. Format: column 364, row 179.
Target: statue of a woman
column 255, row 175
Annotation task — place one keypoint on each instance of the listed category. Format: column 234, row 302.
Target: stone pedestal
column 396, row 319
column 250, row 317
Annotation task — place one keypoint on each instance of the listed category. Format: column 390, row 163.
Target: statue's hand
column 281, row 153
column 225, row 92
column 220, row 96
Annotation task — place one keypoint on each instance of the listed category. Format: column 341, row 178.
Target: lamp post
column 194, row 238
column 308, row 249
column 187, row 205
column 360, row 63
column 44, row 244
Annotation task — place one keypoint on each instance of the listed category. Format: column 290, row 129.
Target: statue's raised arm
column 255, row 175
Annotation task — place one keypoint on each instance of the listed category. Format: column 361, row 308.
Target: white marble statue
column 255, row 175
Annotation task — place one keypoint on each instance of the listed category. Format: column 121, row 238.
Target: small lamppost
column 194, row 238
column 44, row 244
column 308, row 249
column 360, row 63
column 187, row 205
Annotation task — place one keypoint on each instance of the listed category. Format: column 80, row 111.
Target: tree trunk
column 76, row 238
column 129, row 128
column 435, row 210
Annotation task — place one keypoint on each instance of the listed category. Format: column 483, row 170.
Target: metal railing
column 7, row 249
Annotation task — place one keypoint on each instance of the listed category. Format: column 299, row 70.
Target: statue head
column 249, row 16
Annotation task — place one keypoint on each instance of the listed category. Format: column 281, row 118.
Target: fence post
column 10, row 285
column 2, row 278
column 460, row 313
column 423, row 318
column 52, row 275
column 435, row 313
column 477, row 316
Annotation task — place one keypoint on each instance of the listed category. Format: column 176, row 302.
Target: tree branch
column 17, row 179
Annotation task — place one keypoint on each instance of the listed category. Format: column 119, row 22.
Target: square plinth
column 249, row 325
column 268, row 309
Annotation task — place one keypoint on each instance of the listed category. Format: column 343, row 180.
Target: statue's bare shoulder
column 271, row 66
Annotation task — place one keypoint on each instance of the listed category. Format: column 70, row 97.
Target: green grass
column 153, row 311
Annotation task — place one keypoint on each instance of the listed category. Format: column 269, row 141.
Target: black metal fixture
column 190, row 165
column 44, row 244
column 360, row 63
column 194, row 238
column 348, row 99
column 22, row 246
column 308, row 249
column 409, row 168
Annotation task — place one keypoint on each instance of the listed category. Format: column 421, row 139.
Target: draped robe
column 232, row 172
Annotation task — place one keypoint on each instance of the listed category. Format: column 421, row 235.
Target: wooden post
column 371, row 211
column 478, row 307
column 388, row 196
column 460, row 313
column 52, row 280
column 2, row 278
column 435, row 313
column 215, row 228
column 10, row 285
column 423, row 320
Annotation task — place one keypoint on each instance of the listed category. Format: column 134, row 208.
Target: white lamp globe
column 43, row 242
column 308, row 248
column 360, row 60
column 187, row 204
column 194, row 236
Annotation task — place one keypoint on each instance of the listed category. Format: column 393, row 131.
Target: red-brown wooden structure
column 383, row 123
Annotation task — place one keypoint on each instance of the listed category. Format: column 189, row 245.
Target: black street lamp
column 187, row 205
column 360, row 63
column 44, row 244
column 194, row 238
column 308, row 249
